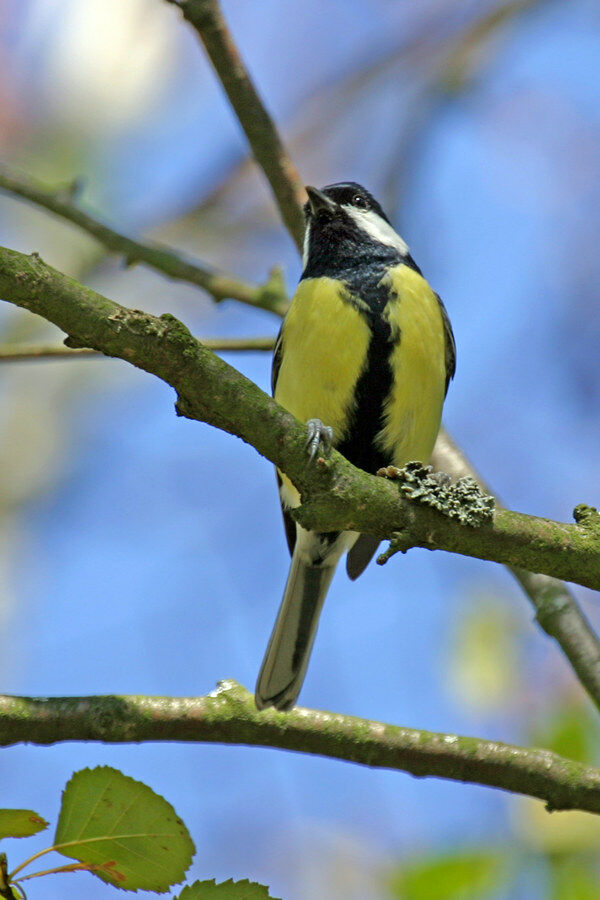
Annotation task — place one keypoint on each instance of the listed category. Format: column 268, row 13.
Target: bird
column 364, row 357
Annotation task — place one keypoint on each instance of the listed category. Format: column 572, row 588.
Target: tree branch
column 228, row 716
column 32, row 352
column 270, row 296
column 336, row 496
column 556, row 609
column 265, row 143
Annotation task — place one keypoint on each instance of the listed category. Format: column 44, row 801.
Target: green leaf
column 460, row 876
column 227, row 890
column 130, row 834
column 19, row 823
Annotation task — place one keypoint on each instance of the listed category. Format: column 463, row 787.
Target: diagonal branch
column 336, row 496
column 228, row 716
column 266, row 145
column 270, row 296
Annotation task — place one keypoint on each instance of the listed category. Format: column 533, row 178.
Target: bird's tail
column 284, row 666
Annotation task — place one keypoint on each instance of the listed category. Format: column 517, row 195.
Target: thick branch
column 556, row 609
column 266, row 145
column 229, row 716
column 270, row 296
column 336, row 496
column 29, row 352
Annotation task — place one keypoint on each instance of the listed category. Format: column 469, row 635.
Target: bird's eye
column 359, row 200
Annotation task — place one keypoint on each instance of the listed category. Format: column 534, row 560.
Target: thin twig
column 33, row 352
column 270, row 296
column 265, row 143
column 229, row 716
column 556, row 609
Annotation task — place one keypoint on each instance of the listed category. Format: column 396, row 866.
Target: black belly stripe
column 372, row 389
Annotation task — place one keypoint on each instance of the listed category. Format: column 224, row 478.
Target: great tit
column 364, row 357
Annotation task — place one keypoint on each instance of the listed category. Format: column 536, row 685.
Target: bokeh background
column 143, row 553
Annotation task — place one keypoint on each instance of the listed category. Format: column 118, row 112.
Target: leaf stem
column 72, row 867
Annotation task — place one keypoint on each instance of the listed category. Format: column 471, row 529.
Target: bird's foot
column 318, row 435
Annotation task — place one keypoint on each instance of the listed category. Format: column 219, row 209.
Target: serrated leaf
column 460, row 876
column 130, row 834
column 227, row 890
column 18, row 823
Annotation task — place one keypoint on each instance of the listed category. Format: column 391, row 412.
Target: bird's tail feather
column 284, row 666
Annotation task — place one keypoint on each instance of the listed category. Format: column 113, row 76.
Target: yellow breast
column 414, row 409
column 325, row 343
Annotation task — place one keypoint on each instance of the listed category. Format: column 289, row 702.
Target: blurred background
column 144, row 553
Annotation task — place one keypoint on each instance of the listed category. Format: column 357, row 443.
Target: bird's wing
column 288, row 522
column 276, row 364
column 450, row 345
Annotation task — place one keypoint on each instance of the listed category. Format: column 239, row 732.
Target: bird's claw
column 318, row 435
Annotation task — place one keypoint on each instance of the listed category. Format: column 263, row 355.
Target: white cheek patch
column 305, row 244
column 377, row 228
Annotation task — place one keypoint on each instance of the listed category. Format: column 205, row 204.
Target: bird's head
column 345, row 220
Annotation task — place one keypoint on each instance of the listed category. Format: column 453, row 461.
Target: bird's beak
column 318, row 201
